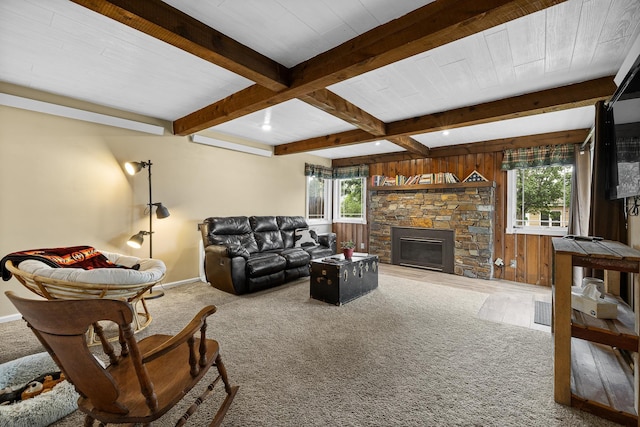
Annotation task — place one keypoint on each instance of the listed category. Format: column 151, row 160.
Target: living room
column 63, row 184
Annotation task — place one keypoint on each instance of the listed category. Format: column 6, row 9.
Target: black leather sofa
column 247, row 254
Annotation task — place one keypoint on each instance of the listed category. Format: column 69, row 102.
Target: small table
column 338, row 281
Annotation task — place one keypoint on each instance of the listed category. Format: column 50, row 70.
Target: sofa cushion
column 231, row 231
column 264, row 264
column 288, row 226
column 229, row 225
column 247, row 241
column 296, row 257
column 305, row 237
column 263, row 223
column 269, row 240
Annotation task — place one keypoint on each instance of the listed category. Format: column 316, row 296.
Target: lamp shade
column 161, row 211
column 133, row 168
column 136, row 240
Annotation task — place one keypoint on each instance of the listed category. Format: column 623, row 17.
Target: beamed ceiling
column 356, row 81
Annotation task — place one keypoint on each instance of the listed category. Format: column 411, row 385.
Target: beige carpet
column 408, row 354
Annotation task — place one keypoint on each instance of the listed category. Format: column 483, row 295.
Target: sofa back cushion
column 266, row 232
column 288, row 225
column 230, row 231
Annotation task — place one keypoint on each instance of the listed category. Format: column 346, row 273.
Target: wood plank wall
column 532, row 253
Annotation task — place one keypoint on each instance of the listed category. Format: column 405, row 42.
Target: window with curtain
column 539, row 189
column 318, row 204
column 344, row 189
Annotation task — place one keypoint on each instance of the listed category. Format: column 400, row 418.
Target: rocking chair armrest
column 187, row 332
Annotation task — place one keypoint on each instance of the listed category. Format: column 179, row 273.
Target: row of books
column 425, row 178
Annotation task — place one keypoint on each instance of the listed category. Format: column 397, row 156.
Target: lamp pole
column 150, row 212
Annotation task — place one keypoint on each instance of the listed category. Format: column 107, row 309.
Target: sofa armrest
column 328, row 240
column 219, row 268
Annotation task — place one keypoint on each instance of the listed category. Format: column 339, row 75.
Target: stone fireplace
column 466, row 210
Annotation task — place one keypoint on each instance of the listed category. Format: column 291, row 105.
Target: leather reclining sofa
column 248, row 254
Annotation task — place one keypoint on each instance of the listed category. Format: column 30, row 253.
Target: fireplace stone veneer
column 467, row 210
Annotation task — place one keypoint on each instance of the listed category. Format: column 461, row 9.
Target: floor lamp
column 136, row 240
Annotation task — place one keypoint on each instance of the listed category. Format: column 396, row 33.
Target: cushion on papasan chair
column 150, row 270
column 43, row 409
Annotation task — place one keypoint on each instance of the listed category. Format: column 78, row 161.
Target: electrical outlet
column 362, row 245
column 499, row 262
column 513, row 263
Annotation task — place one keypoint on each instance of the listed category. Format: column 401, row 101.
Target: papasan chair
column 132, row 278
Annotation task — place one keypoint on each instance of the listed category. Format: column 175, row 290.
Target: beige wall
column 62, row 184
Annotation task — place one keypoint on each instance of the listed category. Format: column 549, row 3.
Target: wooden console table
column 589, row 371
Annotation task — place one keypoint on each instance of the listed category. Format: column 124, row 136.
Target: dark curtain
column 606, row 218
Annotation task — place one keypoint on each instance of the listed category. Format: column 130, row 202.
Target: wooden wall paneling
column 509, row 254
column 545, row 264
column 532, row 260
column 521, row 253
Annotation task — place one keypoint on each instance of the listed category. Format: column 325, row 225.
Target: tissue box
column 600, row 309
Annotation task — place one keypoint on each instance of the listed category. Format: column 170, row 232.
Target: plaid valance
column 346, row 172
column 531, row 157
column 317, row 171
column 628, row 149
column 361, row 171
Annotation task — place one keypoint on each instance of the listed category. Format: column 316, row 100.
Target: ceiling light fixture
column 445, row 132
column 266, row 125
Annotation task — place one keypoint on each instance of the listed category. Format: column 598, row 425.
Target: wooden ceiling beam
column 428, row 27
column 410, row 144
column 576, row 136
column 339, row 107
column 164, row 22
column 550, row 100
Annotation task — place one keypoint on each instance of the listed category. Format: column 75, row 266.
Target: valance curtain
column 317, row 171
column 530, row 157
column 346, row 172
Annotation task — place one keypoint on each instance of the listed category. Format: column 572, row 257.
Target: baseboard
column 174, row 284
column 17, row 316
column 10, row 318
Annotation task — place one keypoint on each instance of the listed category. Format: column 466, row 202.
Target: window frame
column 336, row 202
column 512, row 207
column 328, row 185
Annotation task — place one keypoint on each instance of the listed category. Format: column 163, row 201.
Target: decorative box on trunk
column 338, row 281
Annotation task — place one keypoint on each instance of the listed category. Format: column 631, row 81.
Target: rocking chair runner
column 148, row 377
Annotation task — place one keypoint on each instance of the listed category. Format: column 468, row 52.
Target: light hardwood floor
column 507, row 302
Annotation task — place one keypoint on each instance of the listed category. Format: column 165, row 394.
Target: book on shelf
column 425, row 178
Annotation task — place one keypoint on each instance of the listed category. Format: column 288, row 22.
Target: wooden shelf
column 614, row 332
column 416, row 187
column 589, row 370
column 602, row 382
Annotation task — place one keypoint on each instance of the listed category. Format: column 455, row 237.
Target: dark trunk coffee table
column 338, row 281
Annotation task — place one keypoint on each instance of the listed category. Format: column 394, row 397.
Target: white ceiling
column 60, row 47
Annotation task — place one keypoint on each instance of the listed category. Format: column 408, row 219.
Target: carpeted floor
column 408, row 354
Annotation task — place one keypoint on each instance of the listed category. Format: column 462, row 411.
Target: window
column 349, row 200
column 538, row 200
column 318, row 200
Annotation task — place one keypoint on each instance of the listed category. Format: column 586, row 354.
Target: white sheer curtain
column 580, row 200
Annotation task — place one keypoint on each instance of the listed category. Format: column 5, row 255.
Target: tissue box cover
column 600, row 309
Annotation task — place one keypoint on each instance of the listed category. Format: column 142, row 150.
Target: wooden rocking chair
column 148, row 377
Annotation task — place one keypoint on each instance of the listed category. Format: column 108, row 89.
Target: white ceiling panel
column 62, row 48
column 577, row 118
column 290, row 121
column 500, row 62
column 292, row 31
column 367, row 149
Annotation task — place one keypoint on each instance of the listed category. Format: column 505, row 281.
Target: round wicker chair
column 110, row 283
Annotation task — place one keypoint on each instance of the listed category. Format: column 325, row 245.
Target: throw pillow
column 305, row 237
